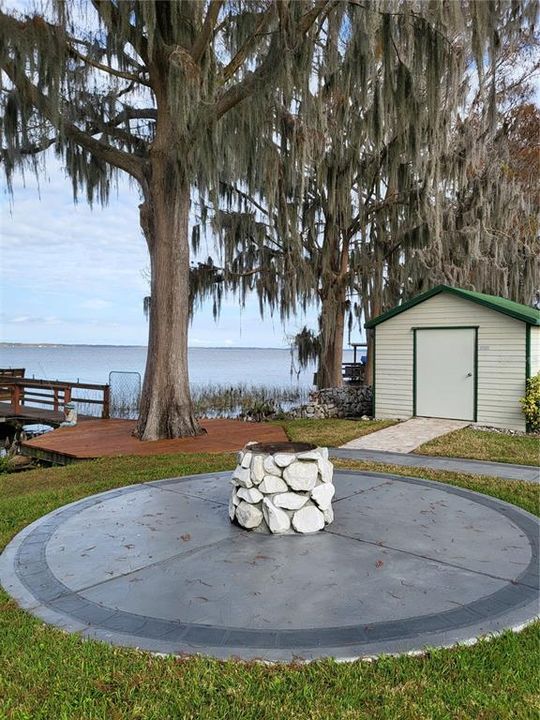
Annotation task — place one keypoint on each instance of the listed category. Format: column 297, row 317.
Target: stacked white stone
column 283, row 493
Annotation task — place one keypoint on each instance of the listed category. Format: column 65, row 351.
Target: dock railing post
column 15, row 398
column 106, row 402
column 67, row 397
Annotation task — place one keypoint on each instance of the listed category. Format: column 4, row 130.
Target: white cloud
column 31, row 320
column 96, row 304
column 72, row 274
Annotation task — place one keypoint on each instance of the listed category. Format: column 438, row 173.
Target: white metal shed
column 454, row 353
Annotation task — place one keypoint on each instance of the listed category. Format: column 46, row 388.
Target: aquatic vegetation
column 254, row 401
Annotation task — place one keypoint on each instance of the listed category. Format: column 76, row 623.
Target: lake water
column 270, row 367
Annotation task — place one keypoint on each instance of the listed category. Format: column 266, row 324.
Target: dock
column 97, row 438
column 22, row 400
column 34, row 400
column 32, row 415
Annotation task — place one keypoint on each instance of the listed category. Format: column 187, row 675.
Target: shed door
column 445, row 373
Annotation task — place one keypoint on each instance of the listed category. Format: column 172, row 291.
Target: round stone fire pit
column 282, row 488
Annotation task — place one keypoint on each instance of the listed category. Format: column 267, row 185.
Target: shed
column 453, row 353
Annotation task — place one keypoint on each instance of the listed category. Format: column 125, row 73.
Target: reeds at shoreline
column 213, row 400
column 210, row 400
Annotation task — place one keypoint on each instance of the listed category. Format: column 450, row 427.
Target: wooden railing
column 52, row 393
column 11, row 373
column 353, row 372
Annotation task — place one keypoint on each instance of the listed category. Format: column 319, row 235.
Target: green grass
column 331, row 432
column 48, row 675
column 485, row 445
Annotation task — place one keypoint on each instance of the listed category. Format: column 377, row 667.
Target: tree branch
column 122, row 160
column 269, row 66
column 244, row 51
column 33, row 149
column 68, row 43
column 106, row 68
column 202, row 41
column 307, row 20
column 124, row 136
column 130, row 113
column 247, row 197
column 137, row 41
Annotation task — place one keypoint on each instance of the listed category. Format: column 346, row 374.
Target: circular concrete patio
column 407, row 564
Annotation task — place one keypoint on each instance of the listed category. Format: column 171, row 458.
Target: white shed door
column 445, row 370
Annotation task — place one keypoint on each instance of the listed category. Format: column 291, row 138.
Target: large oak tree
column 178, row 94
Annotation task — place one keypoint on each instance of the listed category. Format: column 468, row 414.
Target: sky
column 72, row 274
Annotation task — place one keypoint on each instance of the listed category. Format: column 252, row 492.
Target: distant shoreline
column 143, row 347
column 270, row 367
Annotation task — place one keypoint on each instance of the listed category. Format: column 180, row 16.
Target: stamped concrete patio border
column 25, row 572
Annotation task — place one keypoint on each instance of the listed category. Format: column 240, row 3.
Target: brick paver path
column 406, row 436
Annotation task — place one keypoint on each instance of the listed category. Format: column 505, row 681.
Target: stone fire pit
column 282, row 488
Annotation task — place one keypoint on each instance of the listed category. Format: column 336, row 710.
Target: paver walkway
column 406, row 436
column 407, row 563
column 506, row 471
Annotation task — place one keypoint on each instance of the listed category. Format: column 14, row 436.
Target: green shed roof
column 525, row 313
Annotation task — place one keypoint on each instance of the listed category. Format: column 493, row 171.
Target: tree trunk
column 372, row 309
column 166, row 410
column 370, row 361
column 329, row 373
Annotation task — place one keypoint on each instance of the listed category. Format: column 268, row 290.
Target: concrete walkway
column 406, row 436
column 506, row 471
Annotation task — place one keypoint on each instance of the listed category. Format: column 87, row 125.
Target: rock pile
column 282, row 489
column 340, row 402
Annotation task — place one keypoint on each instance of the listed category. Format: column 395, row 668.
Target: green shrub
column 530, row 404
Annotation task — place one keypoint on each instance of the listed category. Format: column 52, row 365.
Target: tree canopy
column 318, row 141
column 181, row 96
column 373, row 212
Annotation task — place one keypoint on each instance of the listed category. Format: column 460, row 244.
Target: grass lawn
column 333, row 432
column 48, row 675
column 484, row 445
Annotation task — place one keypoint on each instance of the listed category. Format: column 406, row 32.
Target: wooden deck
column 113, row 438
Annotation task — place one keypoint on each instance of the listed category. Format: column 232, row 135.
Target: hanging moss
column 326, row 162
column 355, row 187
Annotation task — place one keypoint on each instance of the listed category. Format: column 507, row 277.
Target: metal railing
column 125, row 394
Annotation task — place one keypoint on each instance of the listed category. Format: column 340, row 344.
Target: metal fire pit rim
column 271, row 448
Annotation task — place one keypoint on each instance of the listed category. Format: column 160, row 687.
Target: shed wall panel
column 535, row 349
column 501, row 359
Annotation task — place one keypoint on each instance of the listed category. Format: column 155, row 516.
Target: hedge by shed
column 454, row 353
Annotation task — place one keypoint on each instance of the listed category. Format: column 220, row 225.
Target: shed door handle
column 469, row 374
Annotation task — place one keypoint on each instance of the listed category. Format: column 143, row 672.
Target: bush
column 530, row 404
